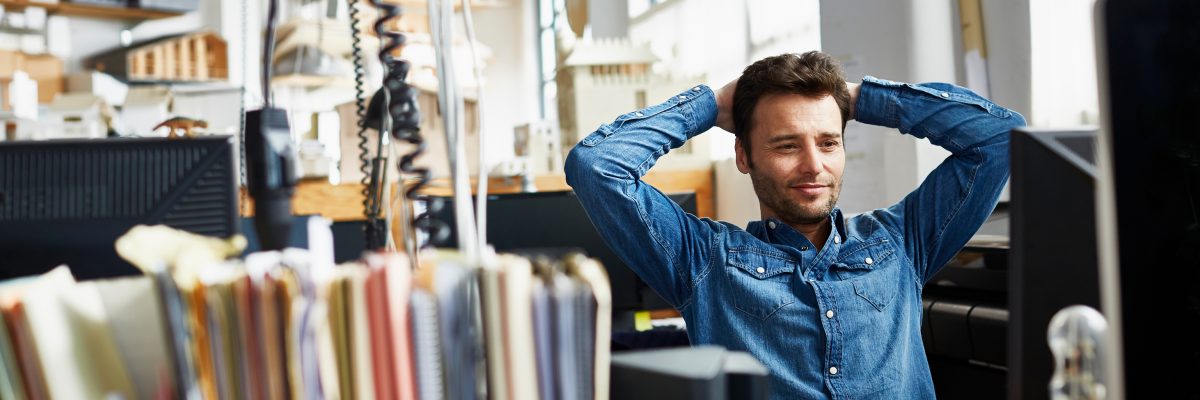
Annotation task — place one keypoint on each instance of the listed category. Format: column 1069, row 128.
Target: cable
column 401, row 118
column 370, row 229
column 243, row 192
column 360, row 108
column 268, row 49
column 482, row 176
column 451, row 101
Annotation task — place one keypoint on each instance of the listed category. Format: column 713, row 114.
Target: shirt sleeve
column 940, row 216
column 667, row 247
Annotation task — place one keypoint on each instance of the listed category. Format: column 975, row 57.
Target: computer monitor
column 67, row 201
column 1052, row 263
column 557, row 220
column 1151, row 234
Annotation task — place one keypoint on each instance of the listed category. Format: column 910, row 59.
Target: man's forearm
column 949, row 116
column 942, row 213
column 652, row 235
column 630, row 145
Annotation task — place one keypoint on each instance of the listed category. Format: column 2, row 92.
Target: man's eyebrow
column 794, row 136
column 784, row 138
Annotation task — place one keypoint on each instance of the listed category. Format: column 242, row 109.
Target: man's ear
column 740, row 157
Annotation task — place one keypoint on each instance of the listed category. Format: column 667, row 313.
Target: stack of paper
column 291, row 325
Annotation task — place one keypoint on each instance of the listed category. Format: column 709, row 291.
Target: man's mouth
column 810, row 189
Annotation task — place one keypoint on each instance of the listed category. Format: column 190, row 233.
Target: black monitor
column 67, row 201
column 1149, row 55
column 1052, row 263
column 547, row 220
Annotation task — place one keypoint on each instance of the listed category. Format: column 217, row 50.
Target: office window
column 637, row 7
column 549, row 19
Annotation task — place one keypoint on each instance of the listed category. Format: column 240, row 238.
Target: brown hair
column 812, row 74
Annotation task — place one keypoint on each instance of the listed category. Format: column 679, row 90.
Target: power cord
column 394, row 108
column 373, row 230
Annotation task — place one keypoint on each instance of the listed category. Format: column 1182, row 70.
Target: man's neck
column 816, row 233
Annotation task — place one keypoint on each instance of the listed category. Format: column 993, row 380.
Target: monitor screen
column 556, row 220
column 1053, row 246
column 67, row 201
column 1148, row 77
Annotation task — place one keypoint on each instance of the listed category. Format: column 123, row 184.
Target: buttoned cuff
column 702, row 109
column 878, row 102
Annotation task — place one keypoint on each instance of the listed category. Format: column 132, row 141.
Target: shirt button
column 829, row 314
column 837, row 239
column 761, row 270
column 771, row 224
column 869, row 261
column 803, row 248
column 696, row 89
column 944, row 94
column 683, row 97
column 833, row 370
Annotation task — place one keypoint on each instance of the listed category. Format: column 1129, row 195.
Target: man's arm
column 664, row 245
column 942, row 214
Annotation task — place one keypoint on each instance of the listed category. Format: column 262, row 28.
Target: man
column 831, row 305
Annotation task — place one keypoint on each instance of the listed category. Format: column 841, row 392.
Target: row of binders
column 288, row 325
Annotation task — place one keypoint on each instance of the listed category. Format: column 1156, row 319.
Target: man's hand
column 725, row 106
column 850, row 86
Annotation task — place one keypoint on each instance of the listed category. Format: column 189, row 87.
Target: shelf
column 344, row 202
column 89, row 10
column 422, row 6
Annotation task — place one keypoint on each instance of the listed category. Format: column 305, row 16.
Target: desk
column 343, row 202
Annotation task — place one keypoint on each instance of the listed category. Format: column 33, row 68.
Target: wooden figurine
column 176, row 124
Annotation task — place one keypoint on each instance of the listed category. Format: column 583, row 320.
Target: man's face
column 798, row 159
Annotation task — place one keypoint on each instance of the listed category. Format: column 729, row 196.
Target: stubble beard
column 773, row 194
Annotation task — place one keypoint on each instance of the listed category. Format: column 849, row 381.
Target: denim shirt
column 842, row 322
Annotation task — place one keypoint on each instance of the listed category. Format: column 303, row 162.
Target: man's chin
column 810, row 213
column 806, row 217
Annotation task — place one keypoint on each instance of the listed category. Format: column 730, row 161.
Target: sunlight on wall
column 1063, row 76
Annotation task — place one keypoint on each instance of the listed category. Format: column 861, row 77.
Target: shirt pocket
column 759, row 281
column 606, row 130
column 873, row 272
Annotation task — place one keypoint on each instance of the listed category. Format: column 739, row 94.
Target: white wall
column 909, row 40
column 698, row 37
column 1006, row 32
column 1040, row 61
column 511, row 78
column 1063, row 82
column 718, row 39
column 608, row 19
column 707, row 37
column 90, row 36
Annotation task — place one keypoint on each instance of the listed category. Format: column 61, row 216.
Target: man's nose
column 810, row 161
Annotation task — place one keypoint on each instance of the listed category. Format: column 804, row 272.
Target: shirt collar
column 772, row 230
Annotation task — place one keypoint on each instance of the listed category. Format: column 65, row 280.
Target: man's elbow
column 579, row 165
column 1001, row 135
column 1018, row 121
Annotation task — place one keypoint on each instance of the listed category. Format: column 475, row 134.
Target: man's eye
column 831, row 143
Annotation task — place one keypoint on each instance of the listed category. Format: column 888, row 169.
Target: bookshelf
column 89, row 10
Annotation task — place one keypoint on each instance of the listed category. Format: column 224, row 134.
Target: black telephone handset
column 400, row 101
column 270, row 157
